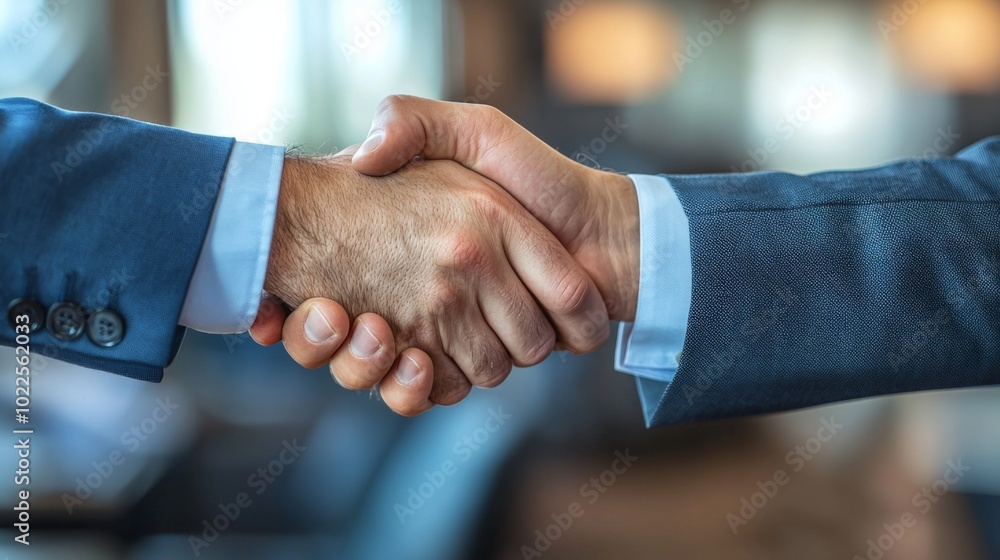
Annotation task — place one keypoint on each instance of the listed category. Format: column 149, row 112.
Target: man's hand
column 593, row 213
column 466, row 280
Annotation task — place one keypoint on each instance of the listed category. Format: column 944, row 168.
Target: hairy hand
column 463, row 276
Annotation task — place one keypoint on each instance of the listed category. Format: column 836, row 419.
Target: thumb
column 477, row 136
column 397, row 136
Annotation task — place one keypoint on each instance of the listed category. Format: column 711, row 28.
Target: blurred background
column 241, row 454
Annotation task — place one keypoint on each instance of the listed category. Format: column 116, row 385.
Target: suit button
column 66, row 321
column 106, row 328
column 30, row 309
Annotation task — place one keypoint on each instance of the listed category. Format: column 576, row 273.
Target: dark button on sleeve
column 66, row 321
column 106, row 328
column 29, row 308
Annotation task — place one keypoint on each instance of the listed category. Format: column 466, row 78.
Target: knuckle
column 493, row 125
column 537, row 337
column 451, row 395
column 465, row 252
column 595, row 333
column 543, row 346
column 572, row 292
column 490, row 114
column 493, row 365
column 393, row 104
column 445, row 296
column 490, row 205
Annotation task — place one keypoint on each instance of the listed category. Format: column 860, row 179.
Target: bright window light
column 822, row 88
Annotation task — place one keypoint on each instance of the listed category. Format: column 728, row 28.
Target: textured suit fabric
column 840, row 285
column 104, row 212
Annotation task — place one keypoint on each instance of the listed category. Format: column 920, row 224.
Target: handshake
column 460, row 244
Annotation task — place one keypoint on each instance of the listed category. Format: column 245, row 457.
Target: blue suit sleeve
column 836, row 286
column 104, row 213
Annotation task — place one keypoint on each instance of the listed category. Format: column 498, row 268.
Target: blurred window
column 304, row 71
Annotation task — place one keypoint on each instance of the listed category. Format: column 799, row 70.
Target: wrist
column 288, row 262
column 621, row 242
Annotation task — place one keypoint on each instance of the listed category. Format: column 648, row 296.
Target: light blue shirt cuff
column 225, row 290
column 650, row 347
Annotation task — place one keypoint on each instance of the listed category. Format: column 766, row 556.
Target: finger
column 475, row 348
column 270, row 319
column 406, row 388
column 367, row 356
column 512, row 313
column 314, row 331
column 451, row 385
column 563, row 289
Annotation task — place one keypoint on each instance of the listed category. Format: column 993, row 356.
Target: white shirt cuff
column 651, row 346
column 225, row 290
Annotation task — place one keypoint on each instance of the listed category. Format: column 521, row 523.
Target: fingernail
column 408, row 371
column 363, row 342
column 318, row 329
column 371, row 144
